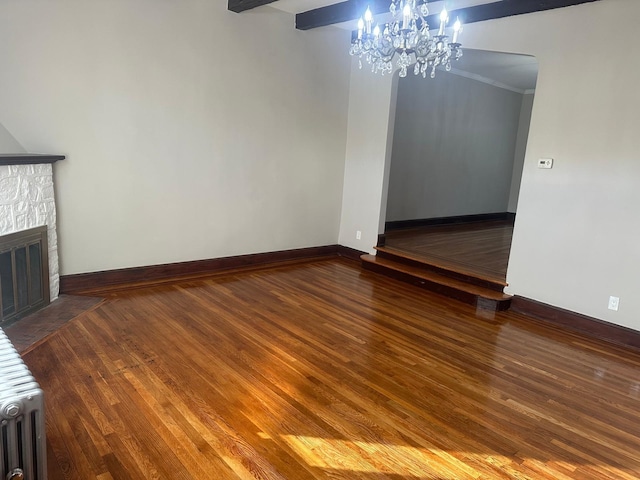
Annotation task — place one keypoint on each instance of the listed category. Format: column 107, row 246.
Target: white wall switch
column 358, row 235
column 545, row 162
column 614, row 302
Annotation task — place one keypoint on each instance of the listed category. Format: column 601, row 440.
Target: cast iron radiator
column 23, row 453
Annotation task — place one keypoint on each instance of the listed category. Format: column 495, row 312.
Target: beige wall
column 190, row 132
column 577, row 229
column 369, row 140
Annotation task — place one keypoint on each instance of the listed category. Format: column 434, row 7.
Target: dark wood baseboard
column 577, row 322
column 350, row 253
column 428, row 222
column 96, row 283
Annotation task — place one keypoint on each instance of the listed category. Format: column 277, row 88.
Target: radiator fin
column 22, row 441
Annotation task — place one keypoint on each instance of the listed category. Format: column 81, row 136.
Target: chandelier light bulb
column 406, row 16
column 444, row 18
column 368, row 16
column 368, row 19
column 457, row 28
column 376, row 31
column 360, row 28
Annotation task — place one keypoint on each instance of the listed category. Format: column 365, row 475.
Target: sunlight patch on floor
column 372, row 457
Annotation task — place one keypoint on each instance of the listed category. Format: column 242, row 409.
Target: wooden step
column 437, row 265
column 483, row 297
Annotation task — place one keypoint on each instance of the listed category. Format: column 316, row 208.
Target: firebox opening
column 24, row 274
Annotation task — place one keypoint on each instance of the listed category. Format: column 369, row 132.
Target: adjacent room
column 303, row 239
column 457, row 155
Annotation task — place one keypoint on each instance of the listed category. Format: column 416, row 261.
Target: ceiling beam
column 339, row 12
column 353, row 9
column 242, row 5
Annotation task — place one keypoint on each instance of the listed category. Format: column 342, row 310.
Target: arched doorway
column 456, row 161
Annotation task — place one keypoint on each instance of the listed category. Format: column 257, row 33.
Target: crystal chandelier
column 406, row 36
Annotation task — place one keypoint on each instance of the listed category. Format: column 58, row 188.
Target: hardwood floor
column 478, row 248
column 321, row 370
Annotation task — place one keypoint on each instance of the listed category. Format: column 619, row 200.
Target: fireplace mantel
column 28, row 158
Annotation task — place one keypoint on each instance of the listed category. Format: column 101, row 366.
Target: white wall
column 577, row 229
column 524, row 123
column 190, row 132
column 369, row 139
column 8, row 144
column 453, row 147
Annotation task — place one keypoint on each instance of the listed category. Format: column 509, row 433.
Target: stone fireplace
column 27, row 201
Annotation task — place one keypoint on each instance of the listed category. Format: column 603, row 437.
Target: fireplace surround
column 27, row 201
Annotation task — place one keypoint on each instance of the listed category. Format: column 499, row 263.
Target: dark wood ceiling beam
column 353, row 9
column 242, row 5
column 339, row 12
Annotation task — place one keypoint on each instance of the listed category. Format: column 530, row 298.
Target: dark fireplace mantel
column 28, row 158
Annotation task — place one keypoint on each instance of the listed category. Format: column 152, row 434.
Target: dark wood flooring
column 478, row 248
column 322, row 370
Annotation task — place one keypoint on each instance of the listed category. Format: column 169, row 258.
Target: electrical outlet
column 545, row 162
column 358, row 235
column 614, row 302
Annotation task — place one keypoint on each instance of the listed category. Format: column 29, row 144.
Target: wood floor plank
column 320, row 370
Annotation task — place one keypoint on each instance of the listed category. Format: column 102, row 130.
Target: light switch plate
column 545, row 162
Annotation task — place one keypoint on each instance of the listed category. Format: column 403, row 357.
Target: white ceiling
column 508, row 70
column 518, row 72
column 299, row 6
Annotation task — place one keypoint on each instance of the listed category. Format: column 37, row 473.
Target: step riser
column 446, row 290
column 442, row 271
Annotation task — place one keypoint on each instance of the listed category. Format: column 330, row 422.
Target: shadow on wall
column 460, row 139
column 8, row 144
